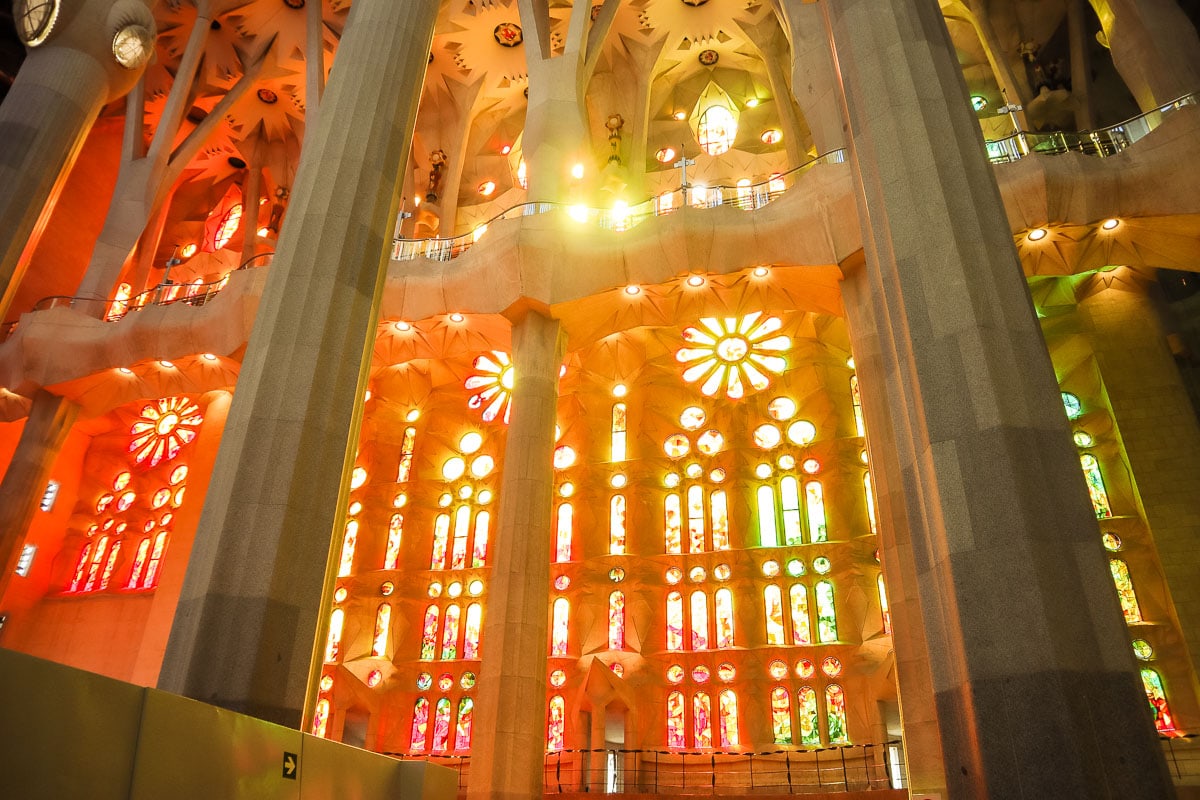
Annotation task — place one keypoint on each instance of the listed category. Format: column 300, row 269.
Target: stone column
column 814, row 81
column 1154, row 47
column 1036, row 691
column 246, row 627
column 1081, row 65
column 510, row 707
column 50, row 420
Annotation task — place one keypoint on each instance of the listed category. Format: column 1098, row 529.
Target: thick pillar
column 1154, row 47
column 1081, row 65
column 50, row 420
column 1036, row 691
column 814, row 81
column 510, row 706
column 247, row 620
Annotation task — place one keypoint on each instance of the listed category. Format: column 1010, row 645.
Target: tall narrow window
column 321, row 718
column 724, row 608
column 556, row 723
column 835, row 710
column 429, row 632
column 473, row 628
column 699, row 621
column 884, row 609
column 333, row 644
column 719, row 504
column 109, row 564
column 674, row 524
column 346, row 564
column 93, row 572
column 773, row 599
column 695, row 503
column 1095, row 482
column 139, row 564
column 815, row 498
column 767, row 534
column 1164, row 721
column 826, row 613
column 156, row 557
column 420, row 726
column 462, row 730
column 483, row 522
column 462, row 528
column 441, row 537
column 789, row 495
column 810, row 731
column 727, row 707
column 558, row 642
column 450, row 632
column 616, row 525
column 616, row 621
column 81, row 565
column 1129, row 601
column 391, row 558
column 701, row 720
column 675, row 722
column 618, row 432
column 781, row 715
column 383, row 623
column 441, row 725
column 856, row 399
column 801, row 630
column 869, row 493
column 562, row 542
column 406, row 455
column 674, row 621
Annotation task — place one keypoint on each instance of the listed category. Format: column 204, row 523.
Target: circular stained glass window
column 770, row 568
column 1072, row 405
column 445, row 681
column 326, row 683
column 726, row 672
column 732, row 349
column 821, row 565
column 618, row 670
column 424, row 681
column 795, row 568
column 671, row 480
column 339, row 596
column 1112, row 542
column 700, row 674
column 400, row 501
column 616, row 574
column 125, row 501
column 811, row 466
column 454, row 468
column 179, row 474
column 767, row 436
column 386, row 588
column 722, row 572
column 618, row 481
column 566, row 490
column 763, row 471
column 467, row 681
column 475, row 588
column 782, row 408
column 677, row 446
column 483, row 466
column 1083, row 439
column 359, row 476
column 831, row 667
column 777, row 670
column 805, row 669
column 694, row 470
column 692, row 418
column 674, row 575
column 710, row 442
column 558, row 678
column 435, row 589
column 802, row 432
column 717, row 475
column 374, row 677
column 697, row 574
column 445, row 500
column 564, row 457
column 562, row 582
column 465, row 492
column 454, row 589
column 470, row 442
column 123, row 478
column 786, row 462
column 485, row 497
column 675, row 673
column 1143, row 650
column 106, row 500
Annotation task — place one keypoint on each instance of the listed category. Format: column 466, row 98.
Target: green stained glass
column 835, row 709
column 810, row 731
column 1095, row 482
column 826, row 613
column 1072, row 405
column 781, row 715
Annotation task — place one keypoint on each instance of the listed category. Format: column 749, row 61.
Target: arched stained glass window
column 1095, row 482
column 441, row 537
column 429, row 632
column 815, row 499
column 346, row 564
column 674, row 524
column 1129, row 601
column 556, row 723
column 773, row 599
column 801, row 627
column 562, row 540
column 618, row 431
column 462, row 730
column 835, row 711
column 109, row 564
column 420, row 726
column 391, row 557
column 727, row 707
column 139, row 565
column 473, row 628
column 616, row 621
column 826, row 613
column 483, row 521
column 558, row 641
column 701, row 720
column 93, row 572
column 675, row 722
column 768, row 536
column 616, row 525
column 333, row 644
column 155, row 563
column 856, row 399
column 699, row 604
column 719, row 505
column 781, row 715
column 450, row 632
column 406, row 455
column 675, row 621
column 383, row 622
column 789, row 495
column 869, row 493
column 724, row 616
column 321, row 718
column 1164, row 720
column 81, row 565
column 716, row 130
column 810, row 731
column 884, row 609
column 695, row 503
column 441, row 725
column 462, row 529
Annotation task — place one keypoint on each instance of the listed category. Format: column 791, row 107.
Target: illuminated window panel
column 441, row 538
column 869, row 493
column 884, row 608
column 619, row 434
column 556, row 723
column 810, row 731
column 462, row 529
column 558, row 641
column 1129, row 601
column 80, row 567
column 826, row 613
column 109, row 564
column 404, row 471
column 462, row 730
column 163, row 429
column 781, row 715
column 724, row 614
column 856, row 397
column 789, row 495
column 814, row 497
column 321, row 718
column 441, row 725
column 418, row 740
column 674, row 621
column 699, row 603
column 473, row 629
column 346, row 563
column 156, row 557
column 616, row 525
column 429, row 631
column 674, row 524
column 835, row 712
column 450, row 632
column 701, row 720
column 1095, row 482
column 1164, row 720
column 695, row 503
column 565, row 531
column 719, row 505
column 94, row 566
column 391, row 558
column 768, row 536
column 333, row 644
column 383, row 623
column 139, row 564
column 773, row 599
column 676, row 738
column 483, row 522
column 732, row 352
column 728, row 712
column 616, row 621
column 801, row 628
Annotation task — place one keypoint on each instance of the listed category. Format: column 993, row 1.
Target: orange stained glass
column 1164, row 720
column 827, row 630
column 429, row 631
column 450, row 632
column 619, row 434
column 773, row 600
column 1095, row 483
column 701, row 720
column 616, row 525
column 109, row 564
column 801, row 625
column 94, row 567
column 156, row 557
column 616, row 621
column 673, row 533
column 383, row 623
column 675, row 722
column 404, row 472
column 80, row 566
column 724, row 618
column 835, row 710
column 462, row 729
column 556, row 722
column 1129, row 601
column 781, row 715
column 139, row 564
column 163, row 428
column 789, row 495
column 869, row 493
column 441, row 725
column 815, row 500
column 699, row 604
column 564, row 533
column 856, row 398
column 483, row 522
column 420, row 726
column 558, row 641
column 674, row 621
column 884, row 609
column 120, row 303
column 441, row 538
column 462, row 528
column 768, row 534
column 810, row 731
column 695, row 503
column 728, row 711
column 321, row 718
column 473, row 628
column 346, row 563
column 492, row 385
column 333, row 644
column 719, row 505
column 391, row 558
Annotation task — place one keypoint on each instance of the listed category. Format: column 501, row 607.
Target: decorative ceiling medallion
column 708, row 58
column 694, row 2
column 508, row 34
column 268, row 96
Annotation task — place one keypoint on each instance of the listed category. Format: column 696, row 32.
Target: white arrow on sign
column 290, row 763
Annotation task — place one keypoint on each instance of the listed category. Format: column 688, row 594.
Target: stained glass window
column 826, row 613
column 346, row 564
column 556, row 723
column 462, row 730
column 701, row 720
column 815, row 499
column 810, row 732
column 695, row 503
column 727, row 707
column 81, row 565
column 473, row 628
column 616, row 621
column 483, row 521
column 835, row 711
column 869, row 493
column 731, row 353
column 441, row 536
column 1072, row 405
column 789, row 495
column 450, row 632
column 675, row 721
column 801, row 630
column 383, row 621
column 884, row 609
column 1095, row 482
column 406, row 455
column 94, row 567
column 674, row 621
column 462, row 528
column 420, row 725
column 773, row 598
column 391, row 558
column 1129, row 601
column 856, row 399
column 674, row 524
column 558, row 642
column 618, row 432
column 334, row 643
column 321, row 718
column 781, row 715
column 767, row 534
column 1164, row 721
column 429, row 631
column 720, row 520
column 616, row 525
column 716, row 130
column 441, row 725
column 724, row 609
column 109, row 564
column 139, row 564
column 562, row 541
column 699, row 603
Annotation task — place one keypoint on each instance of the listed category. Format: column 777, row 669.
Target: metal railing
column 747, row 197
column 1183, row 758
column 1100, row 142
